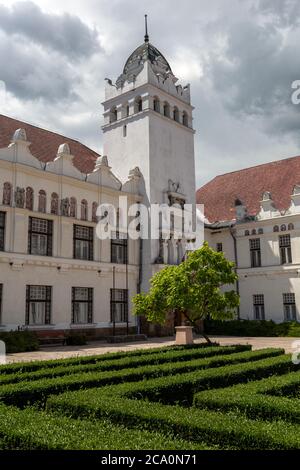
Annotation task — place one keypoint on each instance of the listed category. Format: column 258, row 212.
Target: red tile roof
column 44, row 143
column 248, row 185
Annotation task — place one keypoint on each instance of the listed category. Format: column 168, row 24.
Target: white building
column 253, row 216
column 55, row 274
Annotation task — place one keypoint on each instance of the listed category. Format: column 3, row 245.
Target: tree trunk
column 194, row 325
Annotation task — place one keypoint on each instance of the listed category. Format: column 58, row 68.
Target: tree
column 192, row 289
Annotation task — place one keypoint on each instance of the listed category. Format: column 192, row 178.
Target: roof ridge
column 48, row 130
column 273, row 162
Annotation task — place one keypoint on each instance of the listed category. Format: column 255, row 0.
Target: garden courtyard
column 167, row 397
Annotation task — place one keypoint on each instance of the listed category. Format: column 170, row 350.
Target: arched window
column 124, row 131
column 176, row 114
column 42, row 201
column 247, row 233
column 283, row 228
column 73, row 207
column 113, row 115
column 275, row 228
column 54, row 203
column 7, row 193
column 260, row 231
column 94, row 211
column 166, row 109
column 291, row 227
column 84, row 210
column 156, row 104
column 138, row 105
column 29, row 199
column 185, row 119
column 253, row 232
column 65, row 207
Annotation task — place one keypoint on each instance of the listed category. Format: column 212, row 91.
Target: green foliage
column 252, row 328
column 170, row 398
column 19, row 341
column 171, row 356
column 194, row 288
column 76, row 340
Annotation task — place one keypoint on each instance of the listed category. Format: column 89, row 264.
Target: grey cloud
column 32, row 74
column 64, row 33
column 283, row 12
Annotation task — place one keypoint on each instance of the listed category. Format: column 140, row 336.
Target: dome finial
column 146, row 29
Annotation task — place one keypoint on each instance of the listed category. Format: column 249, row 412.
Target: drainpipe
column 237, row 284
column 140, row 280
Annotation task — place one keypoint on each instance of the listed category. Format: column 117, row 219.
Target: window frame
column 255, row 252
column 89, row 239
column 285, row 249
column 289, row 305
column 123, row 302
column 47, row 301
column 259, row 307
column 48, row 234
column 89, row 302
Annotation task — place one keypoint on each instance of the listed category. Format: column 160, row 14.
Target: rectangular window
column 119, row 248
column 285, row 249
column 259, row 307
column 38, row 305
column 289, row 307
column 219, row 247
column 82, row 305
column 255, row 253
column 118, row 305
column 2, row 230
column 40, row 236
column 83, row 241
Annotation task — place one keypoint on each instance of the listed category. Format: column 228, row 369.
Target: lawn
column 177, row 398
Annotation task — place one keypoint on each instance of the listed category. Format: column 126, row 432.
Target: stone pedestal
column 184, row 335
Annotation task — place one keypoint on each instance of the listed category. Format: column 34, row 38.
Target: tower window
column 124, row 131
column 138, row 106
column 113, row 115
column 127, row 110
column 167, row 110
column 156, row 105
column 176, row 114
column 185, row 120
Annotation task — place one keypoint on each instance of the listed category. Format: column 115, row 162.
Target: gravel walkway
column 101, row 347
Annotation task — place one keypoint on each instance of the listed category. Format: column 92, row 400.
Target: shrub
column 252, row 328
column 76, row 340
column 122, row 363
column 116, row 403
column 23, row 393
column 19, row 341
column 29, row 429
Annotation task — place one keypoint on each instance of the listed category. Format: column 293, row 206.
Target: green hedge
column 36, row 365
column 19, row 341
column 23, row 393
column 224, row 429
column 29, row 429
column 252, row 328
column 266, row 399
column 173, row 356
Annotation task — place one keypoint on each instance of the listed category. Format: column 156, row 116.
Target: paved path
column 101, row 347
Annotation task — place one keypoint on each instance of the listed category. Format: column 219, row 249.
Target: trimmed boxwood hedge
column 36, row 365
column 195, row 425
column 29, row 429
column 123, row 363
column 267, row 399
column 252, row 328
column 23, row 393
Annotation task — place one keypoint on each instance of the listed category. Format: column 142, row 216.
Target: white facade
column 149, row 140
column 148, row 123
column 274, row 273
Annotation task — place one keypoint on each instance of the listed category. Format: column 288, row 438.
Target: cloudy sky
column 240, row 56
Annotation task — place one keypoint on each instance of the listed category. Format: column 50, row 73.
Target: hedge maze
column 179, row 398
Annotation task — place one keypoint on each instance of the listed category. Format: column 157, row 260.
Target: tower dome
column 141, row 54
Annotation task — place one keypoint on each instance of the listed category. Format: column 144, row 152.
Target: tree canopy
column 196, row 288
